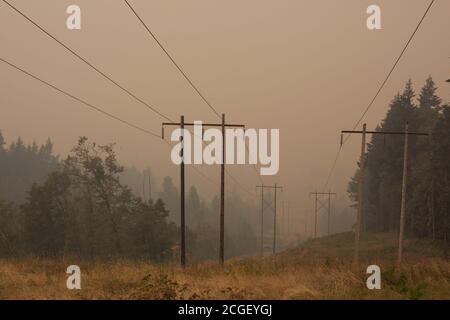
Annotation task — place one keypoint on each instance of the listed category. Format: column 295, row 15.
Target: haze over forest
column 308, row 68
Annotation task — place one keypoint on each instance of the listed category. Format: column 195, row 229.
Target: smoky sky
column 308, row 68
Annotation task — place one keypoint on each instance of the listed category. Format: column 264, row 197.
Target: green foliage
column 82, row 209
column 9, row 230
column 80, row 206
column 398, row 282
column 428, row 184
column 22, row 165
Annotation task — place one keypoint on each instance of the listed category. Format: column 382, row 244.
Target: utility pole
column 323, row 205
column 275, row 188
column 149, row 187
column 362, row 168
column 283, row 219
column 329, row 213
column 275, row 219
column 261, row 249
column 406, row 133
column 306, row 224
column 182, row 198
column 288, row 227
column 144, row 196
column 403, row 204
column 182, row 192
column 315, row 218
column 223, row 126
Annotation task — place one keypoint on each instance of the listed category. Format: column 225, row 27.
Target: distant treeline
column 428, row 184
column 78, row 206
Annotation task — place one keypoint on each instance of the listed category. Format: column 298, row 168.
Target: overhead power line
column 79, row 100
column 88, row 63
column 188, row 79
column 93, row 107
column 369, row 106
column 172, row 59
column 103, row 74
column 393, row 67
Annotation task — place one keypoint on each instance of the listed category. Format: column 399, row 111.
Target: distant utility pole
column 288, row 216
column 283, row 219
column 182, row 192
column 326, row 206
column 275, row 188
column 221, row 125
column 149, row 187
column 359, row 216
column 261, row 239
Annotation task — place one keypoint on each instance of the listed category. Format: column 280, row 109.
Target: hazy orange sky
column 308, row 68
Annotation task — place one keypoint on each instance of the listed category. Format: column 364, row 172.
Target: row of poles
column 182, row 124
column 406, row 133
column 275, row 188
column 360, row 193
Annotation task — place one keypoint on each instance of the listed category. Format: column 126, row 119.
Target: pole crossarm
column 274, row 187
column 387, row 132
column 322, row 205
column 191, row 124
column 203, row 124
column 270, row 187
column 324, row 193
column 221, row 125
column 406, row 133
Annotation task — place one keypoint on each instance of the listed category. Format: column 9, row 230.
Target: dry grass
column 317, row 270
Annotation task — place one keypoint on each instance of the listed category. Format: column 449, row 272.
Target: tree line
column 79, row 206
column 428, row 183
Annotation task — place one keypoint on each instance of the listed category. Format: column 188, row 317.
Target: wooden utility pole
column 149, row 187
column 403, row 204
column 275, row 188
column 261, row 250
column 275, row 221
column 326, row 206
column 315, row 218
column 182, row 192
column 223, row 126
column 362, row 168
column 283, row 219
column 406, row 133
column 182, row 198
column 329, row 213
column 222, row 198
column 288, row 227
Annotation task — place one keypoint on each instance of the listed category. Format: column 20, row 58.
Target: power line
column 393, row 67
column 79, row 100
column 103, row 112
column 333, row 166
column 88, row 63
column 181, row 71
column 171, row 59
column 381, row 86
column 239, row 184
column 107, row 77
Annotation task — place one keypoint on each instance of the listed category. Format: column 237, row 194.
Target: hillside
column 375, row 248
column 318, row 269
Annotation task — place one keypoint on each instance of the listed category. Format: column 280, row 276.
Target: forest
column 428, row 171
column 86, row 204
column 83, row 206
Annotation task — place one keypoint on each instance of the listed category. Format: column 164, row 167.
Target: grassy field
column 319, row 269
